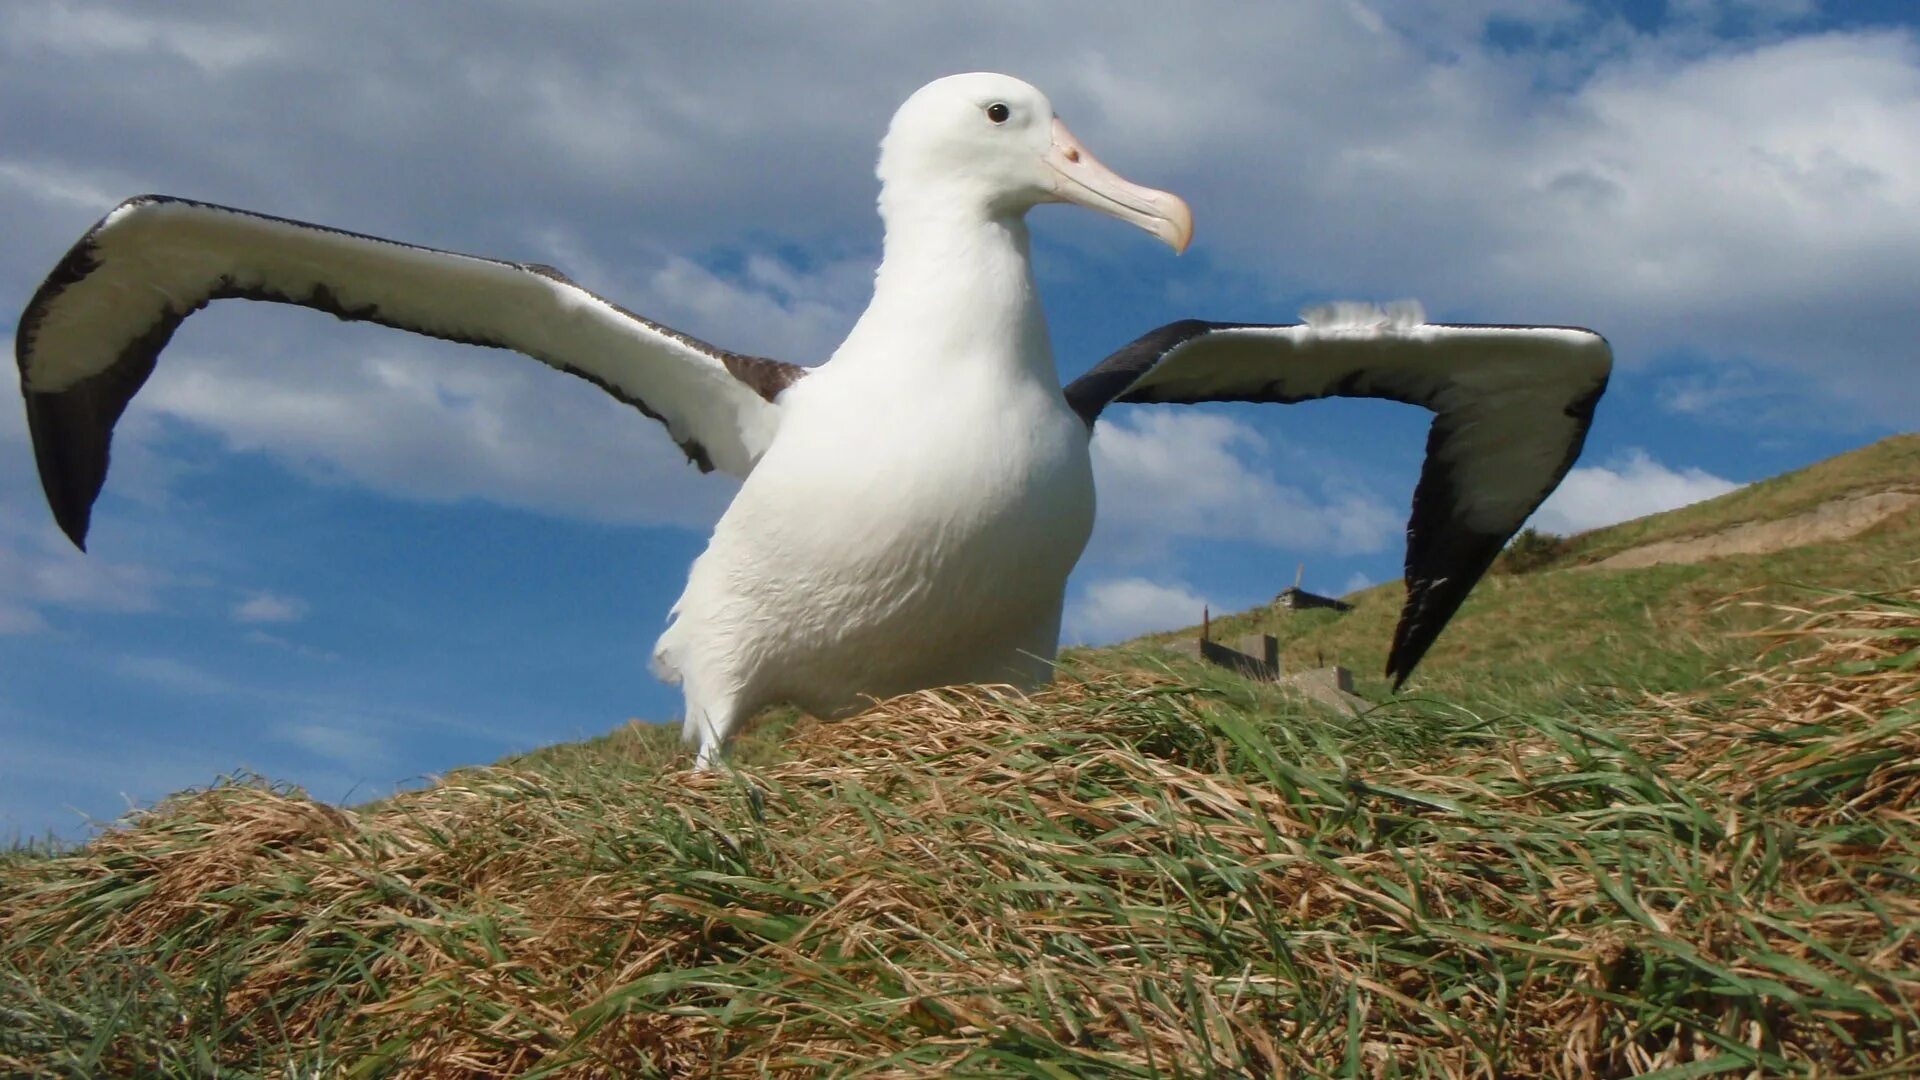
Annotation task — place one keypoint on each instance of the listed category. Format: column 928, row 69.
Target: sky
column 349, row 559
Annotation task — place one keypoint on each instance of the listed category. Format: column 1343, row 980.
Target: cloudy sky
column 346, row 558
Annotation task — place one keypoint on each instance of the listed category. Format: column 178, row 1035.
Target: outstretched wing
column 91, row 334
column 1512, row 405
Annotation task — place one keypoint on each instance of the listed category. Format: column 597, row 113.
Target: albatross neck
column 958, row 285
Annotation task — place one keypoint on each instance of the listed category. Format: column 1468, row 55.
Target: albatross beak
column 1078, row 177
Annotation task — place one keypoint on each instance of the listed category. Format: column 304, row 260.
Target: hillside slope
column 1619, row 826
column 1892, row 464
column 1528, row 641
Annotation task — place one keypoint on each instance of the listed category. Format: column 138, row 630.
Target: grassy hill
column 1529, row 641
column 1619, row 824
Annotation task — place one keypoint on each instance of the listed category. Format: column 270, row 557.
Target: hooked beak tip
column 1079, row 177
column 1178, row 231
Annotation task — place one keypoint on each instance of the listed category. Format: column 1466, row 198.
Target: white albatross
column 912, row 507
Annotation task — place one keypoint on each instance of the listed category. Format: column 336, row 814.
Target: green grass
column 1548, row 639
column 1890, row 464
column 1615, row 829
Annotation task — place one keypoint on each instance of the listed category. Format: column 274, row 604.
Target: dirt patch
column 1837, row 519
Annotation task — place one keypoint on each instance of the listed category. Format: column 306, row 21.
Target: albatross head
column 990, row 144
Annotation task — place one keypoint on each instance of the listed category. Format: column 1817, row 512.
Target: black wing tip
column 75, row 526
column 1410, row 645
column 71, row 478
column 70, row 456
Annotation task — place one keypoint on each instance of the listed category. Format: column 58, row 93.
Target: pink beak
column 1078, row 177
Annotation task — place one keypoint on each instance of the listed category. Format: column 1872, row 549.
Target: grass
column 1128, row 877
column 1625, row 825
column 1546, row 640
column 1890, row 464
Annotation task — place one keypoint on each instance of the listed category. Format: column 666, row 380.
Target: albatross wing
column 92, row 333
column 1512, row 405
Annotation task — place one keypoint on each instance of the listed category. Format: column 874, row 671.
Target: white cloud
column 37, row 572
column 60, row 184
column 1756, row 202
column 1120, row 608
column 1167, row 474
column 1720, row 391
column 266, row 607
column 1752, row 200
column 85, row 32
column 775, row 311
column 17, row 618
column 308, row 652
column 1698, row 177
column 1357, row 581
column 1760, row 12
column 345, row 742
column 176, row 675
column 1633, row 486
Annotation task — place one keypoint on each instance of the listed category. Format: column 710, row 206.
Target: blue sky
column 345, row 558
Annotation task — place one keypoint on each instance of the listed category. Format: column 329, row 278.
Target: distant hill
column 1526, row 640
column 1890, row 465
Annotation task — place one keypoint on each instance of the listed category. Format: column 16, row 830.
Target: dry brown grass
column 1121, row 878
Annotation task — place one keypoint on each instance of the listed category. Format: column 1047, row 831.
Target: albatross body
column 874, row 552
column 911, row 509
column 915, row 519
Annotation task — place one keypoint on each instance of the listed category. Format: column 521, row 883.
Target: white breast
column 892, row 539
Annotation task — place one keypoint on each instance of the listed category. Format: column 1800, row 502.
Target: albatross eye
column 998, row 112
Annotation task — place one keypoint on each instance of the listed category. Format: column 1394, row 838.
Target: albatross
column 911, row 508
